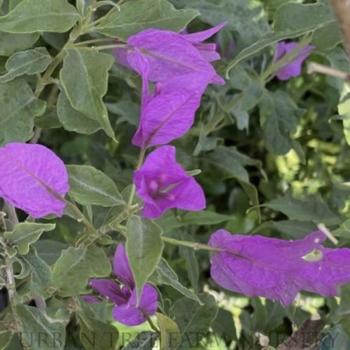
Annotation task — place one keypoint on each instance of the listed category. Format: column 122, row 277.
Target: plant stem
column 109, row 47
column 152, row 325
column 45, row 79
column 193, row 245
column 133, row 189
column 94, row 41
column 314, row 67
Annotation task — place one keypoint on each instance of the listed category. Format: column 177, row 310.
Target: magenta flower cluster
column 121, row 292
column 179, row 67
column 292, row 68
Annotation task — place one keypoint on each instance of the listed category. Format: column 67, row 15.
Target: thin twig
column 314, row 67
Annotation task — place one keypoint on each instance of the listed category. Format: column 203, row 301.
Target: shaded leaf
column 246, row 18
column 75, row 266
column 32, row 16
column 95, row 334
column 73, row 120
column 42, row 331
column 194, row 319
column 164, row 274
column 224, row 326
column 138, row 15
column 40, row 279
column 232, row 163
column 312, row 209
column 170, row 336
column 10, row 43
column 291, row 20
column 84, row 78
column 143, row 341
column 19, row 107
column 279, row 117
column 25, row 234
column 49, row 250
column 28, row 62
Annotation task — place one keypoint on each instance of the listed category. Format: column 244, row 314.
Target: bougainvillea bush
column 173, row 175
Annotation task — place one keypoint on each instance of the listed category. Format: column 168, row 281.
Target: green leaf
column 245, row 18
column 343, row 230
column 312, row 209
column 40, row 279
column 75, row 266
column 143, row 341
column 28, row 62
column 49, row 250
column 294, row 229
column 41, row 331
column 224, row 326
column 144, row 247
column 344, row 111
column 327, row 37
column 170, row 336
column 25, row 234
column 307, row 17
column 11, row 43
column 191, row 260
column 32, row 16
column 279, row 116
column 13, row 3
column 95, row 334
column 232, row 163
column 169, row 221
column 164, row 274
column 49, row 120
column 19, row 106
column 291, row 20
column 73, row 120
column 84, row 78
column 90, row 186
column 337, row 338
column 193, row 319
column 135, row 16
column 204, row 218
column 5, row 338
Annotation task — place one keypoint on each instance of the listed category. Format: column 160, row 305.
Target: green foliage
column 194, row 319
column 135, row 16
column 42, row 330
column 90, row 186
column 144, row 247
column 32, row 16
column 75, row 266
column 20, row 106
column 26, row 62
column 279, row 117
column 84, row 78
column 25, row 234
column 170, row 336
column 11, row 43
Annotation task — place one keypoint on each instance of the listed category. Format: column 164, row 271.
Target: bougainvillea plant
column 174, row 175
